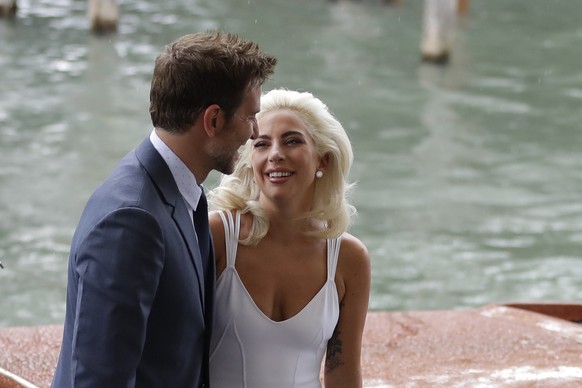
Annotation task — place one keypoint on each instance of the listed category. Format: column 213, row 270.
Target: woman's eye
column 293, row 141
column 259, row 144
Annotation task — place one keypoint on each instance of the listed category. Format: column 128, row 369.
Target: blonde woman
column 292, row 284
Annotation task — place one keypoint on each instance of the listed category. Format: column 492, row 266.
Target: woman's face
column 284, row 158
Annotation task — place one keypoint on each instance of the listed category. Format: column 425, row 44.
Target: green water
column 469, row 175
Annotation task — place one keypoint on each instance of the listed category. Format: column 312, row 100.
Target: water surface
column 468, row 175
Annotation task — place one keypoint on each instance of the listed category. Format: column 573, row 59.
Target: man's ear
column 213, row 119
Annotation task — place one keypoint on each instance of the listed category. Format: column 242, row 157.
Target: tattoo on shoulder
column 334, row 350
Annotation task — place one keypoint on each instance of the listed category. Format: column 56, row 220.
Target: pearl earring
column 319, row 173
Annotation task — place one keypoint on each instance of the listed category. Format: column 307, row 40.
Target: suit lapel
column 163, row 179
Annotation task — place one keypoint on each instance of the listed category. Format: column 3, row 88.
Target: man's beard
column 225, row 162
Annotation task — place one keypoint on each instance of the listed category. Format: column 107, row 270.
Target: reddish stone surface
column 492, row 346
column 29, row 352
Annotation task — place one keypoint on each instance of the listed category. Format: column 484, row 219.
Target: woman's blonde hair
column 330, row 205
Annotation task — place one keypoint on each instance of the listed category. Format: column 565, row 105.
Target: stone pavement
column 493, row 346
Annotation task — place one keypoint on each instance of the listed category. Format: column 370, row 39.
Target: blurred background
column 468, row 175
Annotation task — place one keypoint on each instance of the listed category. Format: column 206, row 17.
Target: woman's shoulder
column 219, row 239
column 353, row 247
column 353, row 268
column 217, row 228
column 353, row 255
column 215, row 220
column 217, row 224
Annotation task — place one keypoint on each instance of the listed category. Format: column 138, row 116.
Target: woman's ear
column 213, row 119
column 323, row 161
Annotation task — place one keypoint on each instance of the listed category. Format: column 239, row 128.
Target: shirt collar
column 185, row 180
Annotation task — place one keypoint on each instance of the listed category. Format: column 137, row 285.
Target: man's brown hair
column 202, row 69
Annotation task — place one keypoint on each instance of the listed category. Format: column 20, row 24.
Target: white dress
column 248, row 349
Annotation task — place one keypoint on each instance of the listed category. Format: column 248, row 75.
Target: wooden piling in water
column 103, row 15
column 462, row 7
column 439, row 17
column 8, row 8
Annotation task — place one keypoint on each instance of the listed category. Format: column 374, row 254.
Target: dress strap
column 231, row 235
column 333, row 248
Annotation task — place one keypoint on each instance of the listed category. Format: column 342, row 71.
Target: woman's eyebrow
column 283, row 135
column 292, row 133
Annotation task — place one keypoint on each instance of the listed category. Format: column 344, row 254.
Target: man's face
column 236, row 131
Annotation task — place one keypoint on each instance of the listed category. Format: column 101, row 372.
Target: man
column 141, row 269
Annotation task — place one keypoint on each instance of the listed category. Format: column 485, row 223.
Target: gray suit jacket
column 139, row 296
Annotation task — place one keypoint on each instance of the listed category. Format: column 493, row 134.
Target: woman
column 292, row 284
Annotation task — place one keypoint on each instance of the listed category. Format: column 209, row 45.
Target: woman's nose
column 276, row 155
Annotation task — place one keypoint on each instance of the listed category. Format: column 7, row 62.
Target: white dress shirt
column 185, row 180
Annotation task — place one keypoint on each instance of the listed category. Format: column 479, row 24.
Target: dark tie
column 203, row 232
column 201, row 226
